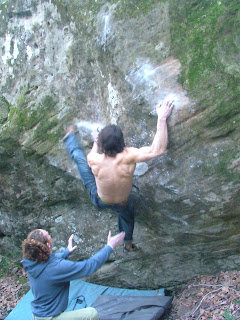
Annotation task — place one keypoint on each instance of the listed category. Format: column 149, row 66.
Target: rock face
column 94, row 63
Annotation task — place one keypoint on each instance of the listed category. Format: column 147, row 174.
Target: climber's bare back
column 114, row 175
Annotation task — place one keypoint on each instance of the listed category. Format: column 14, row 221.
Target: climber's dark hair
column 110, row 140
column 35, row 247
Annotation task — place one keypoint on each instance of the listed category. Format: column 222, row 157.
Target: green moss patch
column 41, row 117
column 134, row 8
column 221, row 164
column 204, row 37
column 200, row 32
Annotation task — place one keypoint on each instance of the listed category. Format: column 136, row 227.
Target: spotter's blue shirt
column 50, row 280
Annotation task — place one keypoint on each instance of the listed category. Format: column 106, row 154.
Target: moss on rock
column 40, row 117
column 201, row 31
column 204, row 37
column 4, row 109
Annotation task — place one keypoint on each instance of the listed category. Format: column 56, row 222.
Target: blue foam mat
column 89, row 291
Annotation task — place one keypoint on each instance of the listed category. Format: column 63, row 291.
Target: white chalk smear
column 169, row 97
column 91, row 126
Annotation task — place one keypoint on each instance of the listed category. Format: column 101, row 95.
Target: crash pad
column 81, row 295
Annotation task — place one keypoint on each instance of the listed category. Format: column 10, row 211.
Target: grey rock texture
column 94, row 63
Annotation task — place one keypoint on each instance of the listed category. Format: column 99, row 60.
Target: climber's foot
column 70, row 129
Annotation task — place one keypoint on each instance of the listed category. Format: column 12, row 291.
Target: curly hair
column 35, row 247
column 110, row 140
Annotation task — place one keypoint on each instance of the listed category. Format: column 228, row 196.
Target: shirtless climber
column 107, row 173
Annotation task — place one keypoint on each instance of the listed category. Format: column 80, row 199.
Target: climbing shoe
column 74, row 129
column 134, row 248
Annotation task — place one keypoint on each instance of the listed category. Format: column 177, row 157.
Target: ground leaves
column 212, row 297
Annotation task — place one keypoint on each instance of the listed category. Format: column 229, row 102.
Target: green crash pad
column 88, row 293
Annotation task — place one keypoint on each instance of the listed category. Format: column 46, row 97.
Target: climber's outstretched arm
column 159, row 144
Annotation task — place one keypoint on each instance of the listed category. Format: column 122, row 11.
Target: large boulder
column 94, row 63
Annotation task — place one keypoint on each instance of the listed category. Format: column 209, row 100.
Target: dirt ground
column 205, row 298
column 12, row 289
column 209, row 298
